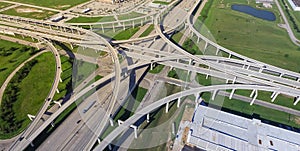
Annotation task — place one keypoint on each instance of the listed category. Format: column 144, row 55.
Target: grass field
column 58, row 4
column 22, row 12
column 129, row 15
column 82, row 19
column 161, row 2
column 126, row 34
column 12, row 61
column 33, row 90
column 147, row 31
column 255, row 111
column 256, row 38
column 157, row 69
column 3, row 5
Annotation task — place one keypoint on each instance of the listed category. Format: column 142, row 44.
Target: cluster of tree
column 8, row 121
column 295, row 26
column 9, row 51
column 6, row 52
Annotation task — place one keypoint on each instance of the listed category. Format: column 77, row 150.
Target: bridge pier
column 52, row 124
column 274, row 96
column 113, row 25
column 102, row 28
column 111, row 121
column 167, row 107
column 229, row 56
column 255, row 96
column 231, row 94
column 297, row 100
column 57, row 91
column 142, row 23
column 148, row 118
column 261, row 70
column 132, row 24
column 217, row 52
column 207, row 75
column 31, row 144
column 196, row 99
column 151, row 66
column 58, row 103
column 234, row 79
column 131, row 126
column 214, row 94
column 190, row 61
column 99, row 141
column 198, row 39
column 178, row 102
column 31, row 117
column 124, row 26
column 206, row 45
column 109, row 147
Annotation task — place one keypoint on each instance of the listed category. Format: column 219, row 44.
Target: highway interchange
column 156, row 48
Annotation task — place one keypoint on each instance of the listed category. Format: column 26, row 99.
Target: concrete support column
column 234, row 79
column 248, row 67
column 31, row 117
column 260, row 70
column 167, row 107
column 58, row 103
column 124, row 26
column 141, row 22
column 274, row 97
column 57, row 91
column 102, row 28
column 109, row 147
column 229, row 55
column 99, row 141
column 198, row 39
column 190, row 61
column 52, row 124
column 111, row 121
column 171, row 68
column 31, row 144
column 207, row 75
column 217, row 52
column 178, row 102
column 252, row 93
column 214, row 94
column 71, row 46
column 148, row 118
column 206, row 44
column 91, row 28
column 113, row 25
column 151, row 66
column 32, row 39
column 196, row 99
column 132, row 24
column 255, row 96
column 231, row 94
column 135, row 131
column 297, row 100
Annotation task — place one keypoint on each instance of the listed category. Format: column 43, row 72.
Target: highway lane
column 287, row 24
column 161, row 102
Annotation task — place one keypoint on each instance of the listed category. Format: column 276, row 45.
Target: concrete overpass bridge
column 235, row 70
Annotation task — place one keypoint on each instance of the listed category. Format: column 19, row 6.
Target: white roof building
column 212, row 129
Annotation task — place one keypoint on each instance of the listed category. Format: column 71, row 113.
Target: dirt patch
column 28, row 10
